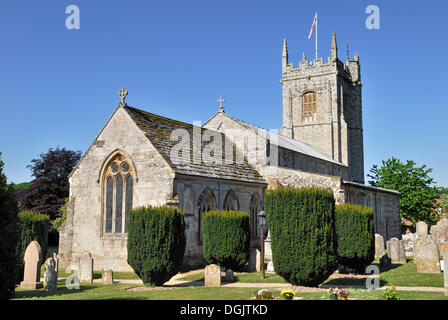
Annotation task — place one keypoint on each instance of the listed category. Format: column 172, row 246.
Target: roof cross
column 221, row 100
column 122, row 94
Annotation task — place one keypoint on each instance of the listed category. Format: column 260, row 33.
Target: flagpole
column 316, row 34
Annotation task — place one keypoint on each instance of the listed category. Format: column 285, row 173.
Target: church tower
column 322, row 107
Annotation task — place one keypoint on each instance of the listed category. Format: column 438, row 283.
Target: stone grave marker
column 85, row 268
column 426, row 255
column 421, row 229
column 444, row 251
column 395, row 251
column 33, row 260
column 51, row 275
column 212, row 277
column 229, row 275
column 107, row 275
column 379, row 245
column 408, row 243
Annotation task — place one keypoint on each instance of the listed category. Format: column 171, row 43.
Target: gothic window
column 309, row 104
column 206, row 203
column 118, row 194
column 255, row 207
column 231, row 201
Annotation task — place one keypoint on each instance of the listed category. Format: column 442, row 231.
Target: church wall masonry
column 84, row 227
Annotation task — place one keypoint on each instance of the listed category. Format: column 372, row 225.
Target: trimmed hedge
column 226, row 238
column 9, row 239
column 33, row 226
column 302, row 228
column 355, row 237
column 156, row 243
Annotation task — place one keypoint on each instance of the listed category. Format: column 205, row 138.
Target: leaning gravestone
column 51, row 275
column 379, row 245
column 33, row 259
column 421, row 229
column 85, row 268
column 426, row 256
column 444, row 250
column 107, row 276
column 395, row 251
column 212, row 277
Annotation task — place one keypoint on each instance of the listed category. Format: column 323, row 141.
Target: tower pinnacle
column 334, row 47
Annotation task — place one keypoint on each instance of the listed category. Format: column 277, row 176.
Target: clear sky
column 58, row 87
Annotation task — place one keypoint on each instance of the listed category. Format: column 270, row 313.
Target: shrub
column 156, row 243
column 301, row 224
column 33, row 226
column 9, row 238
column 355, row 237
column 226, row 238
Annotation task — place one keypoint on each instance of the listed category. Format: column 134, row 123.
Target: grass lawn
column 117, row 291
column 249, row 277
column 400, row 275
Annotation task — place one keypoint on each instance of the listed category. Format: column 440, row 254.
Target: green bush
column 302, row 229
column 355, row 237
column 226, row 238
column 156, row 243
column 33, row 226
column 9, row 239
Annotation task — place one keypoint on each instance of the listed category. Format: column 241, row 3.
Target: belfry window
column 309, row 103
column 118, row 190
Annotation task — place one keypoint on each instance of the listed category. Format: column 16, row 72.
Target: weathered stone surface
column 444, row 251
column 422, row 228
column 426, row 255
column 212, row 277
column 408, row 243
column 379, row 245
column 51, row 275
column 33, row 260
column 107, row 276
column 395, row 251
column 85, row 268
column 385, row 262
column 270, row 267
column 229, row 275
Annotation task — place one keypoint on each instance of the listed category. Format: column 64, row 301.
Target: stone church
column 140, row 158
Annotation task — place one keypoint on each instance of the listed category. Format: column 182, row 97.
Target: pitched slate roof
column 158, row 130
column 286, row 142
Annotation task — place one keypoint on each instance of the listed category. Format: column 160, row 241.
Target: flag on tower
column 312, row 27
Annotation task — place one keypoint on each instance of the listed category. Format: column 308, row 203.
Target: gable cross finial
column 122, row 94
column 221, row 108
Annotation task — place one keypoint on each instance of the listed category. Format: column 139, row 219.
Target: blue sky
column 58, row 86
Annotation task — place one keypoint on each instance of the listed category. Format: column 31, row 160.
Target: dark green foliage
column 226, row 238
column 33, row 226
column 302, row 229
column 9, row 238
column 156, row 243
column 355, row 237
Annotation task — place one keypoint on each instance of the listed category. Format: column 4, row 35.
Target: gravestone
column 444, row 251
column 212, row 277
column 379, row 245
column 426, row 255
column 229, row 275
column 267, row 248
column 33, row 259
column 254, row 260
column 385, row 262
column 408, row 243
column 107, row 276
column 421, row 229
column 51, row 275
column 270, row 266
column 438, row 234
column 395, row 251
column 85, row 268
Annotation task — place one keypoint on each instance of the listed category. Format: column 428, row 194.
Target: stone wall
column 84, row 227
column 190, row 190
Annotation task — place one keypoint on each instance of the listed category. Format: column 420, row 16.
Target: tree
column 9, row 238
column 47, row 192
column 417, row 193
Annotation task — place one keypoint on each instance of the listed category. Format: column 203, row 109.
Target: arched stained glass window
column 255, row 207
column 309, row 104
column 118, row 194
column 205, row 204
column 231, row 201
